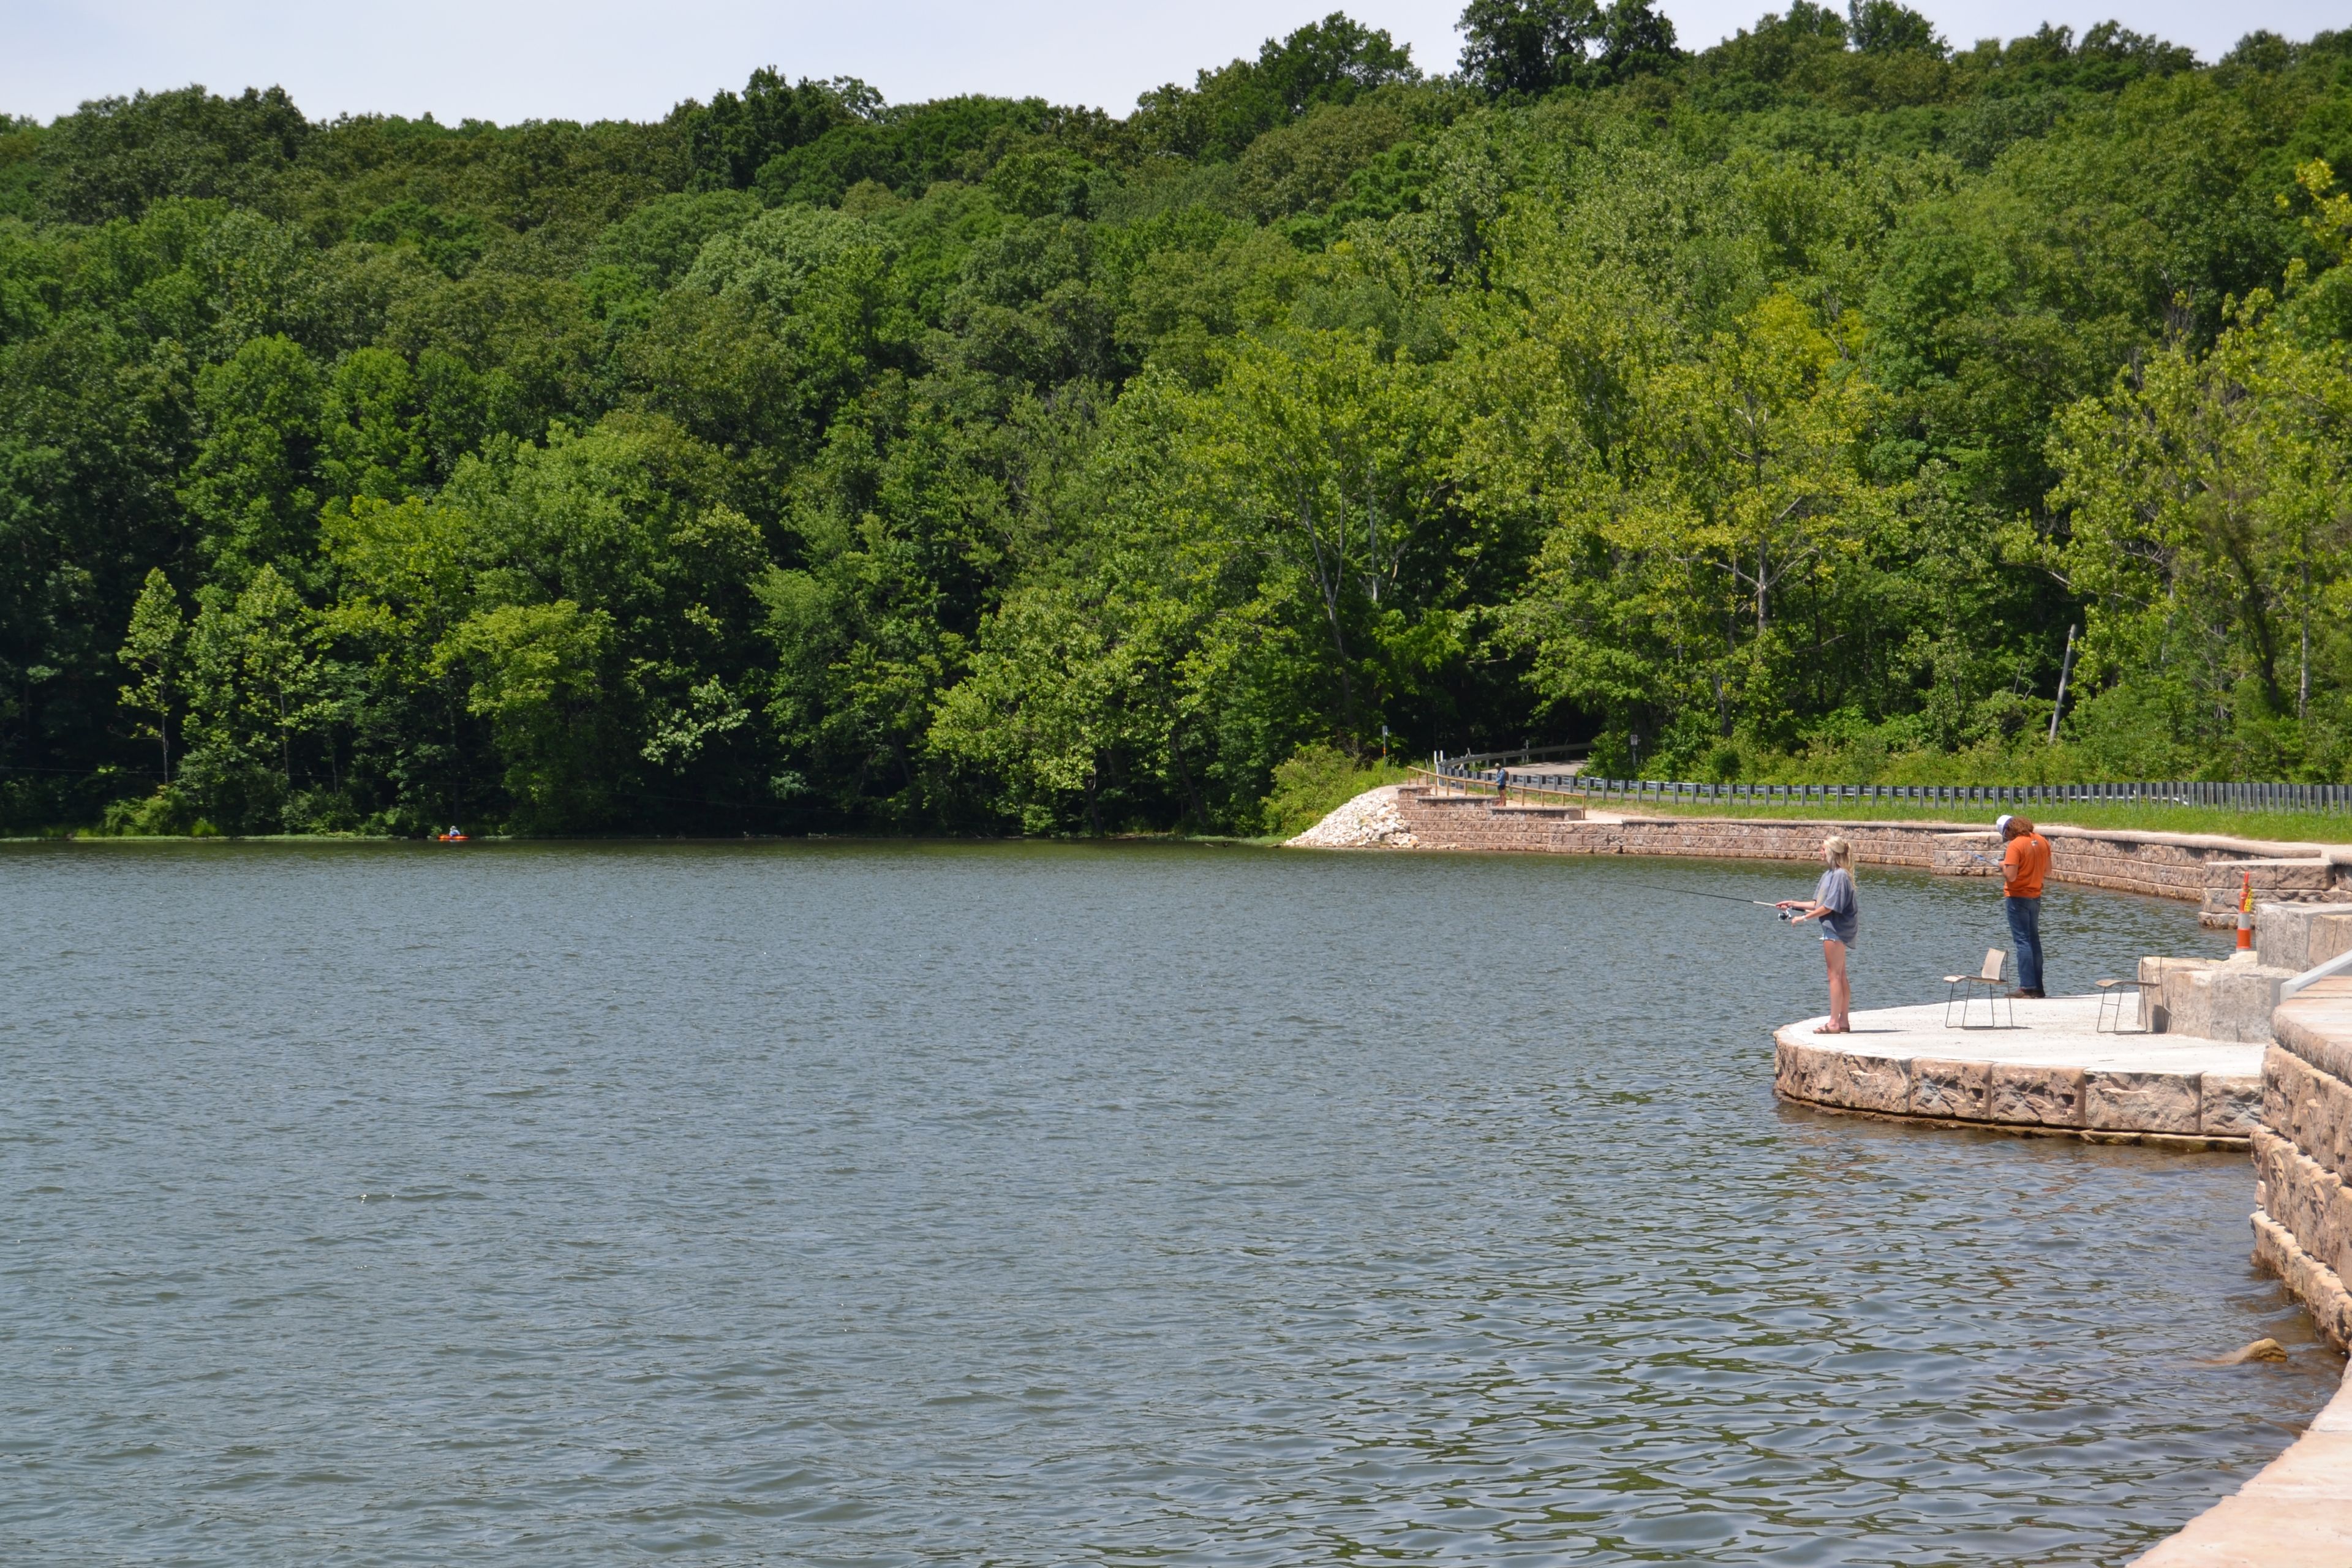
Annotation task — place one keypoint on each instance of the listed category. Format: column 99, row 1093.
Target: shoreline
column 2202, row 868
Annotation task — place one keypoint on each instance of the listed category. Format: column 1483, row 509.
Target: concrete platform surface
column 2053, row 1072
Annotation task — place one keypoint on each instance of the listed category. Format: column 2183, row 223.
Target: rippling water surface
column 841, row 1204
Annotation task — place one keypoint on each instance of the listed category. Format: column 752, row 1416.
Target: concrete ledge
column 2053, row 1073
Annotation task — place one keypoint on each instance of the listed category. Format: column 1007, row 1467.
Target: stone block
column 1872, row 1083
column 2287, row 1089
column 1784, row 1070
column 2310, row 1203
column 2230, row 1105
column 2316, row 1024
column 2165, row 991
column 2141, row 1102
column 1962, row 1090
column 2036, row 1096
column 1822, row 1075
column 2294, row 936
column 2309, row 1106
column 2240, row 999
column 1805, row 1072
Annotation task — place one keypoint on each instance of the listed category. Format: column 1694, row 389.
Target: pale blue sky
column 513, row 60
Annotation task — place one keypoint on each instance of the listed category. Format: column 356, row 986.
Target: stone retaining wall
column 2194, row 867
column 2303, row 1154
column 2297, row 1513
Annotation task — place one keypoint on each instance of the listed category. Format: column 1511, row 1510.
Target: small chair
column 1964, row 989
column 2111, row 996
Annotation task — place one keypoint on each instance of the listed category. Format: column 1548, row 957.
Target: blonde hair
column 1840, row 852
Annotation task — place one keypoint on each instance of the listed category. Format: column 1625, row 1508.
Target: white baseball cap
column 2001, row 821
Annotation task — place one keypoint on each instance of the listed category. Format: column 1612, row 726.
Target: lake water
column 866, row 1204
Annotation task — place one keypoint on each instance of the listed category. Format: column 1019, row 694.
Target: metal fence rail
column 1513, row 759
column 2328, row 797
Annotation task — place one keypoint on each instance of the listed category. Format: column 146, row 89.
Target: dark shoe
column 2037, row 994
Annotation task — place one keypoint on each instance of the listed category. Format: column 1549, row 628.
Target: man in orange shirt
column 2023, row 864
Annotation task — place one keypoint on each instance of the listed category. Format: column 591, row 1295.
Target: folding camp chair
column 1964, row 989
column 2113, row 995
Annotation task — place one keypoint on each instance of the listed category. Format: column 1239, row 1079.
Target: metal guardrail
column 2317, row 798
column 2336, row 965
column 1439, row 761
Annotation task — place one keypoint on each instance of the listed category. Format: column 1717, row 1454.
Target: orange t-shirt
column 2024, row 865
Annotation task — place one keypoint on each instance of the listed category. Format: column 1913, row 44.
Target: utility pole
column 2065, row 668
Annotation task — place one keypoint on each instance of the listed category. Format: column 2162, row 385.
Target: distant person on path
column 2024, row 862
column 1835, row 905
column 1502, row 784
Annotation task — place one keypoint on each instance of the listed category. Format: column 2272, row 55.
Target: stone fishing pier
column 2181, row 1061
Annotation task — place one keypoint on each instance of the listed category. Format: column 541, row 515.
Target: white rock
column 1371, row 821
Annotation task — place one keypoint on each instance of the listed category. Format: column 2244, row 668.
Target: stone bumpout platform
column 2051, row 1073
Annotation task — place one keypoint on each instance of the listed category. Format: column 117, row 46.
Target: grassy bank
column 2277, row 826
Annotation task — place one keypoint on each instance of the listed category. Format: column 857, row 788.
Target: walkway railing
column 1479, row 771
column 1528, row 755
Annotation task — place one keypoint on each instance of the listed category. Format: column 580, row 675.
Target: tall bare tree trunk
column 2303, row 677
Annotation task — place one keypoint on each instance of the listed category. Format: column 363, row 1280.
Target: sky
column 587, row 59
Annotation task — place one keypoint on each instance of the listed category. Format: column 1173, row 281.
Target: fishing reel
column 1785, row 916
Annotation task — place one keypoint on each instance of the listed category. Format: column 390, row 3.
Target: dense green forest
column 805, row 462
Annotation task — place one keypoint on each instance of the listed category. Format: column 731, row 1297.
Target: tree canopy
column 807, row 462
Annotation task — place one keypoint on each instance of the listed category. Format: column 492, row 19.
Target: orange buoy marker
column 2245, row 912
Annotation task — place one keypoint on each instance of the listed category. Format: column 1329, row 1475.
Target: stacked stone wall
column 2175, row 866
column 2303, row 1154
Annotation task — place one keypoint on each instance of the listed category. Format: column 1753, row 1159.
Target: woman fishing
column 1834, row 904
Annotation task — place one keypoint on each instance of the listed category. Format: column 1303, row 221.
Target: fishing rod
column 1726, row 898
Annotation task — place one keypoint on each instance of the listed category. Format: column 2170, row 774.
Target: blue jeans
column 2025, row 930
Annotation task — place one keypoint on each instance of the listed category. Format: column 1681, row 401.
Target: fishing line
column 1726, row 898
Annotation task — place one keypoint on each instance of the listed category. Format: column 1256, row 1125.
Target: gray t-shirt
column 1835, row 894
